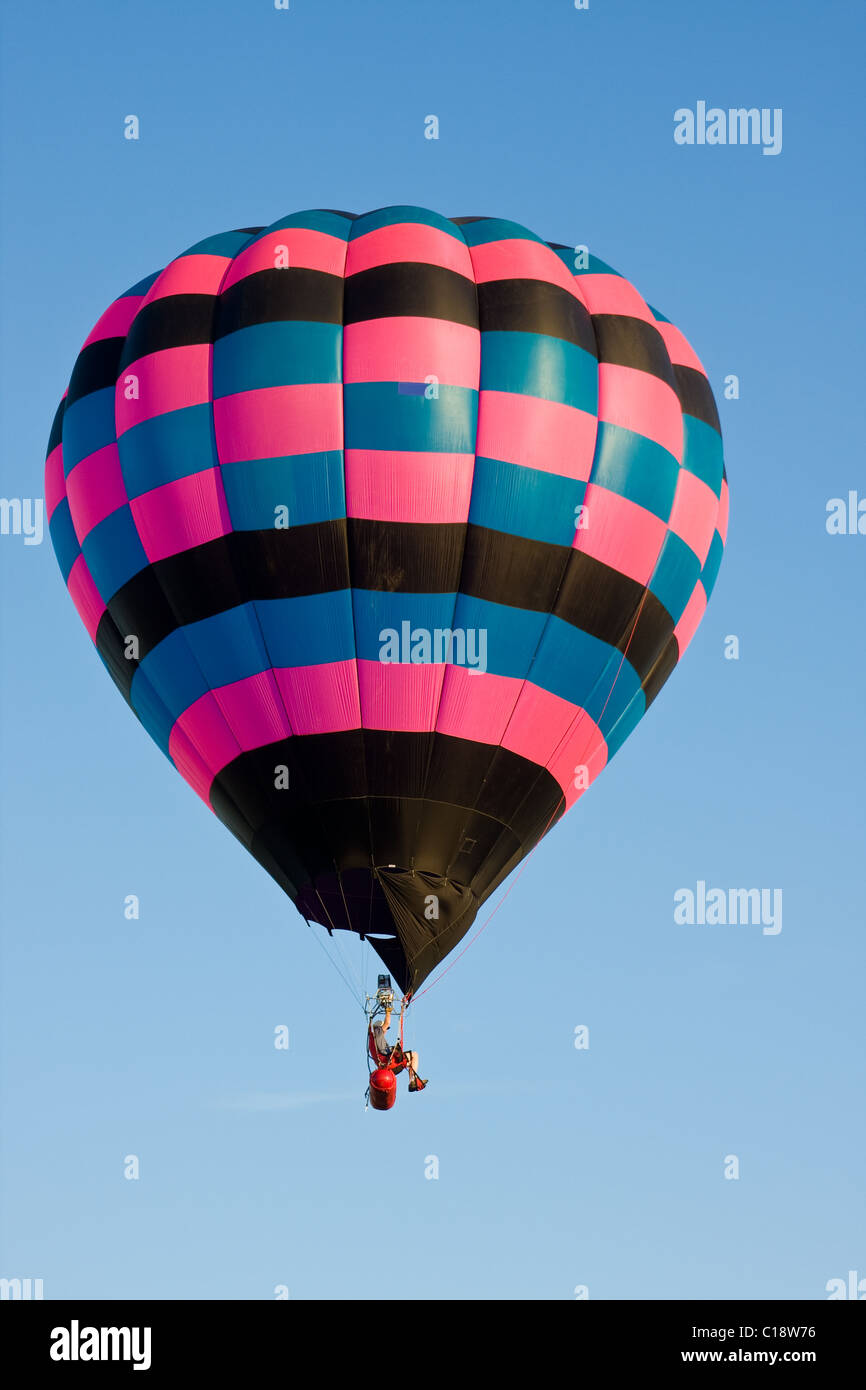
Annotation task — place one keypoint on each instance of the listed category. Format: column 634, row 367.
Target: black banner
column 161, row 1339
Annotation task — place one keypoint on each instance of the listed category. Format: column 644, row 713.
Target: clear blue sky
column 557, row 1167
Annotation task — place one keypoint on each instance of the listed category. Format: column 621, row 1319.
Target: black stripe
column 574, row 586
column 662, row 668
column 366, row 795
column 603, row 602
column 392, row 557
column 513, row 570
column 535, row 306
column 95, row 368
column 239, row 568
column 280, row 296
column 387, row 764
column 111, row 647
column 410, row 557
column 452, row 824
column 629, row 342
column 410, row 288
column 56, row 434
column 503, row 782
column 696, row 396
column 176, row 320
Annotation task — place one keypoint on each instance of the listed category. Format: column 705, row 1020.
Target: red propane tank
column 383, row 1088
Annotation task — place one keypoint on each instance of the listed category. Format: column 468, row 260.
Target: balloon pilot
column 389, row 1058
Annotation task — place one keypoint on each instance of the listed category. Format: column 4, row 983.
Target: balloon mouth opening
column 411, row 918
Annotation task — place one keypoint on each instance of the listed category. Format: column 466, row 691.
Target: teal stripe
column 114, row 552
column 313, row 220
column 142, row 287
column 616, row 734
column 533, row 364
column 322, row 628
column 710, row 572
column 277, row 354
column 311, row 486
column 156, row 716
column 63, row 538
column 496, row 229
column 379, row 416
column 702, row 452
column 576, row 666
column 88, row 425
column 525, row 501
column 635, row 467
column 391, row 217
column 166, row 448
column 594, row 266
column 675, row 575
column 222, row 244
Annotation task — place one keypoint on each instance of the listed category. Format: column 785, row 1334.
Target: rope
column 330, row 958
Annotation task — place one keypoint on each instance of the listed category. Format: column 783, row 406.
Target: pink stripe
column 540, row 722
column 190, row 764
column 722, row 520
column 640, row 402
column 693, row 516
column 116, row 319
column 620, row 533
column 321, row 699
column 55, row 483
column 520, row 716
column 182, row 514
column 276, row 420
column 483, row 708
column 546, row 435
column 399, row 696
column 170, row 379
column 514, row 259
column 583, row 747
column 411, row 350
column 198, row 274
column 263, row 709
column 478, row 705
column 395, row 486
column 553, row 731
column 303, row 248
column 85, row 596
column 95, row 488
column 202, row 736
column 679, row 350
column 611, row 294
column 272, row 705
column 234, row 719
column 254, row 710
column 688, row 623
column 408, row 241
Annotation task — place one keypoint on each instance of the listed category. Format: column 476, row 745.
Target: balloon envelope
column 389, row 528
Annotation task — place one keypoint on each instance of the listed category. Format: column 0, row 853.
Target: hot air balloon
column 389, row 528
